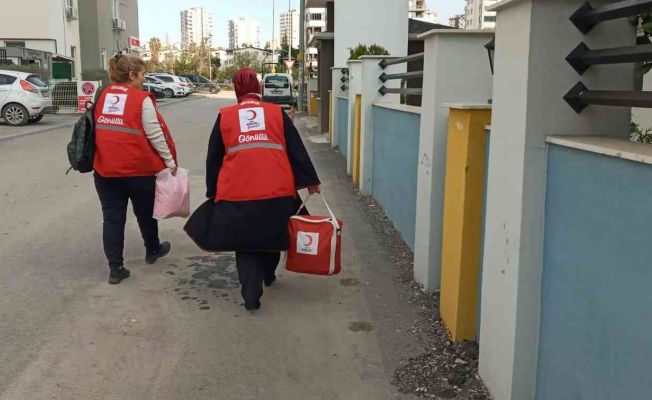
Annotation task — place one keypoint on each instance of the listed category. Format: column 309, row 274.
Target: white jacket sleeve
column 155, row 134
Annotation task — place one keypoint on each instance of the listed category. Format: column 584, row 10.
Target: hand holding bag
column 172, row 198
column 315, row 243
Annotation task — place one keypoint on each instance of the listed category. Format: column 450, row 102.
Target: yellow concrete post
column 330, row 116
column 313, row 104
column 462, row 225
column 356, row 138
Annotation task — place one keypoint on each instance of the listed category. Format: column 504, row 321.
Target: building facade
column 315, row 22
column 428, row 16
column 244, row 32
column 476, row 15
column 47, row 35
column 107, row 28
column 457, row 21
column 196, row 26
column 417, row 8
column 289, row 27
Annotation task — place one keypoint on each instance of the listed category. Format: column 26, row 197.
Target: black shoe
column 252, row 307
column 269, row 281
column 163, row 250
column 117, row 276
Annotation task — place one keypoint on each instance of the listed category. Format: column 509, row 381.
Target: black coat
column 260, row 225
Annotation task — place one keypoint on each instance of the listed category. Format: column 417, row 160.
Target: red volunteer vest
column 121, row 146
column 256, row 164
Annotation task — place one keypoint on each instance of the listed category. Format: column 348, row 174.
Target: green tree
column 247, row 59
column 187, row 63
column 155, row 47
column 169, row 63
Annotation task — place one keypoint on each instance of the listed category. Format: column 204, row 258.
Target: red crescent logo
column 117, row 100
column 310, row 240
column 253, row 115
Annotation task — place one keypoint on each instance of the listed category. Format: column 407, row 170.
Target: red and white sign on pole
column 134, row 42
column 86, row 93
column 289, row 64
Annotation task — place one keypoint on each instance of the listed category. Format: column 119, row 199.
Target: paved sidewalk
column 177, row 329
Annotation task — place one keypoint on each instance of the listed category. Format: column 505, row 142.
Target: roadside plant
column 639, row 135
column 364, row 50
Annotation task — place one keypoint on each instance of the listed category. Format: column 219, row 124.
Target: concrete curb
column 72, row 123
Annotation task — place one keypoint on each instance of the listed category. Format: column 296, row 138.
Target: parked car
column 154, row 86
column 171, row 84
column 154, row 89
column 190, row 87
column 202, row 84
column 279, row 89
column 24, row 97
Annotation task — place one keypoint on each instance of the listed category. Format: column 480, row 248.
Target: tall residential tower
column 244, row 31
column 196, row 25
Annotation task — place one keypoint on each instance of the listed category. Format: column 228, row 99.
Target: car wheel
column 36, row 118
column 15, row 115
column 215, row 90
column 169, row 93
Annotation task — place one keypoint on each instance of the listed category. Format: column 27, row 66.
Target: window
column 6, row 79
column 15, row 44
column 490, row 18
column 315, row 17
column 166, row 78
column 73, row 52
column 36, row 81
column 69, row 4
column 277, row 82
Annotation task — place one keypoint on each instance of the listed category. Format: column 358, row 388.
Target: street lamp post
column 273, row 33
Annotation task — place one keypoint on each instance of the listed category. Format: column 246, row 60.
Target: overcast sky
column 161, row 17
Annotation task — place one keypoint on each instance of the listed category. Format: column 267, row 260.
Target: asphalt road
column 174, row 330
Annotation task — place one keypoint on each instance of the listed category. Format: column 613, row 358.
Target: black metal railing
column 582, row 57
column 344, row 78
column 586, row 17
column 384, row 77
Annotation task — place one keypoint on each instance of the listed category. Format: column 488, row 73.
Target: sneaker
column 163, row 250
column 269, row 281
column 117, row 276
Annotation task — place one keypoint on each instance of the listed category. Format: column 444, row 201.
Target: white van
column 279, row 89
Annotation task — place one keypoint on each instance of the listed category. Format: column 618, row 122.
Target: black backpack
column 81, row 148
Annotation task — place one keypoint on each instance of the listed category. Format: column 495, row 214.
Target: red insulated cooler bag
column 315, row 244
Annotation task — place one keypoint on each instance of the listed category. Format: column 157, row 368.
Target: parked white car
column 24, row 97
column 174, row 87
column 190, row 87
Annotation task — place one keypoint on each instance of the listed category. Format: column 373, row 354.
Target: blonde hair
column 121, row 65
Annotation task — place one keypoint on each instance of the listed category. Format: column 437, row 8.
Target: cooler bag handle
column 304, row 202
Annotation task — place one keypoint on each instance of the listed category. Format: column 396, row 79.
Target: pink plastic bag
column 172, row 195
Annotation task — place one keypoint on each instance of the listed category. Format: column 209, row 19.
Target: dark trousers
column 115, row 194
column 253, row 269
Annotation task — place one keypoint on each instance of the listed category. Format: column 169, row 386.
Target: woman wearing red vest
column 256, row 163
column 132, row 144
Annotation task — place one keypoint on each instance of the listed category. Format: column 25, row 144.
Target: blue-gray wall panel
column 342, row 125
column 596, row 312
column 395, row 159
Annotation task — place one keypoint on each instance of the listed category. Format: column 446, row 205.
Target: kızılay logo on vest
column 252, row 119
